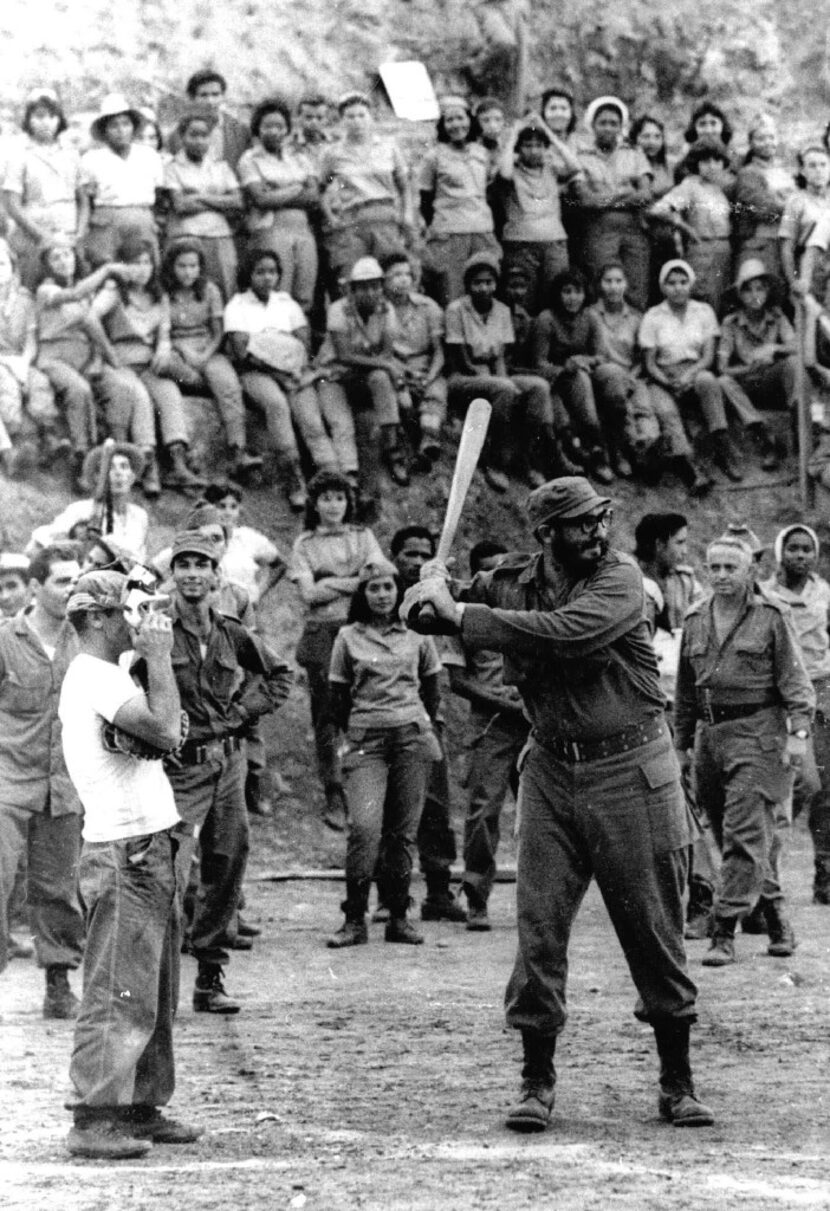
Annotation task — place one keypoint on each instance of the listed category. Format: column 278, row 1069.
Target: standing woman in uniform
column 762, row 188
column 805, row 212
column 325, row 563
column 385, row 698
column 453, row 188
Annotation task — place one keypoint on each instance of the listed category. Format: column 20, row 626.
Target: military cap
column 192, row 542
column 564, row 499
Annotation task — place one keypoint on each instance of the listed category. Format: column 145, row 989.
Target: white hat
column 366, row 269
column 607, row 102
column 112, row 105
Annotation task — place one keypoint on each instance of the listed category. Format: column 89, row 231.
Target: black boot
column 440, row 904
column 722, row 951
column 180, row 477
column 700, row 912
column 782, row 941
column 353, row 931
column 533, row 1109
column 209, row 995
column 399, row 928
column 694, row 478
column 821, row 880
column 725, row 455
column 755, row 920
column 60, row 1001
column 678, row 1103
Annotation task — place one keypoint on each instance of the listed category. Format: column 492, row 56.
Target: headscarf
column 782, row 536
column 677, row 263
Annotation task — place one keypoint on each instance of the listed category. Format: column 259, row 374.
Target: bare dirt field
column 378, row 1078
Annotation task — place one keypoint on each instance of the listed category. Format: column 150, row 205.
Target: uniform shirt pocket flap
column 660, row 770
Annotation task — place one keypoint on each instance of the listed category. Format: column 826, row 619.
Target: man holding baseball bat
column 600, row 783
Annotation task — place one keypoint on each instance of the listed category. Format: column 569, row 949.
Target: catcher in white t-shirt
column 114, row 737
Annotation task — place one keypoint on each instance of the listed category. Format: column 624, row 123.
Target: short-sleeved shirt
column 703, row 205
column 135, row 324
column 46, row 177
column 420, row 330
column 619, row 330
column 568, row 336
column 132, row 180
column 810, row 612
column 247, row 551
column 607, row 172
column 678, row 338
column 17, row 322
column 341, row 553
column 122, row 796
column 533, row 212
column 383, row 667
column 364, row 337
column 270, row 168
column 246, row 313
column 741, row 341
column 485, row 337
column 193, row 319
column 57, row 320
column 361, row 174
column 182, row 175
column 457, row 177
column 129, row 529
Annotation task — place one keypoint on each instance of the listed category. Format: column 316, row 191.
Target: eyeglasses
column 593, row 521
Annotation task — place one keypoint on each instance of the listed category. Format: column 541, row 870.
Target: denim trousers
column 52, row 845
column 386, row 772
column 210, row 799
column 623, row 821
column 123, row 1049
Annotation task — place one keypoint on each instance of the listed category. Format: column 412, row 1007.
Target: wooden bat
column 469, row 451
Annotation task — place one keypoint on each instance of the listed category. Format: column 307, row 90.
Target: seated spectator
column 569, row 351
column 654, row 432
column 251, row 559
column 453, row 189
column 204, row 198
column 325, row 563
column 762, row 187
column 757, row 359
column 115, row 515
column 699, row 208
column 67, row 353
column 268, row 340
column 122, row 179
column 611, row 194
column 42, row 185
column 22, row 385
column 805, row 224
column 196, row 335
column 367, row 201
column 229, row 137
column 130, row 321
column 479, row 333
column 282, row 189
column 361, row 377
column 678, row 342
column 535, row 167
column 385, row 700
column 420, row 349
column 15, row 592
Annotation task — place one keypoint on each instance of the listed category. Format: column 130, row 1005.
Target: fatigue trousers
column 495, row 751
column 123, row 1050
column 812, row 787
column 740, row 783
column 210, row 799
column 623, row 821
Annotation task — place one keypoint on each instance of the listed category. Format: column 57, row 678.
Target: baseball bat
column 469, row 451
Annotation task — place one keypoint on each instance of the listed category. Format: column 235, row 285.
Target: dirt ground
column 378, row 1079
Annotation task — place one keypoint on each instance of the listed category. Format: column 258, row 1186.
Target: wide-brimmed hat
column 566, row 498
column 112, row 105
column 749, row 270
column 366, row 269
column 92, row 462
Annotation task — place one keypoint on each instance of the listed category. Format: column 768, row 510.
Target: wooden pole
column 802, row 398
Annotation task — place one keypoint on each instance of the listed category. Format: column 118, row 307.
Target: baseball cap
column 564, row 499
column 191, row 542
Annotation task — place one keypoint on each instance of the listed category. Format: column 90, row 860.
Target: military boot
column 60, row 1001
column 678, row 1103
column 353, row 931
column 722, row 950
column 532, row 1110
column 782, row 941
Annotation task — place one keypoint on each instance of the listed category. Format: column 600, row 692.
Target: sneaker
column 532, row 1111
column 683, row 1108
column 159, row 1129
column 106, row 1140
column 60, row 1002
column 400, row 929
column 442, row 908
column 209, row 995
column 350, row 933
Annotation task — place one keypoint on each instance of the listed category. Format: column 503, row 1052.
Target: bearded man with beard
column 600, row 787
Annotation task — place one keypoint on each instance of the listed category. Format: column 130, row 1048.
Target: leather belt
column 713, row 713
column 629, row 738
column 197, row 754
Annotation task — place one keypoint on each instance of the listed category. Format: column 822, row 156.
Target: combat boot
column 722, row 950
column 782, row 941
column 533, row 1109
column 678, row 1103
column 440, row 904
column 353, row 931
column 180, row 477
column 821, row 881
column 725, row 455
column 60, row 1001
column 755, row 920
column 150, row 478
column 401, row 929
column 209, row 995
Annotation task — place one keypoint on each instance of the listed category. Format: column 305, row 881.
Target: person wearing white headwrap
column 611, row 196
column 797, row 583
column 678, row 339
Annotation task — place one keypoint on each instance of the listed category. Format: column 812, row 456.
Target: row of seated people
column 540, row 192
column 585, row 385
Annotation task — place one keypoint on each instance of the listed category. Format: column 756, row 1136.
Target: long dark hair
column 567, row 277
column 129, row 250
column 637, row 126
column 168, row 267
column 708, row 107
column 359, row 607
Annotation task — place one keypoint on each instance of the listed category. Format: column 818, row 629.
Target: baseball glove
column 116, row 740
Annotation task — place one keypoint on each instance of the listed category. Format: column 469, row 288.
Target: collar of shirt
column 394, row 624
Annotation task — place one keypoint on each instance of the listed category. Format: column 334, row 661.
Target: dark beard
column 569, row 555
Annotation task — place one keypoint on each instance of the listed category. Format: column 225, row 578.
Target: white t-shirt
column 248, row 551
column 122, row 796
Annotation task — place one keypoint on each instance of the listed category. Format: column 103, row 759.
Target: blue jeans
column 386, row 772
column 123, row 1051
